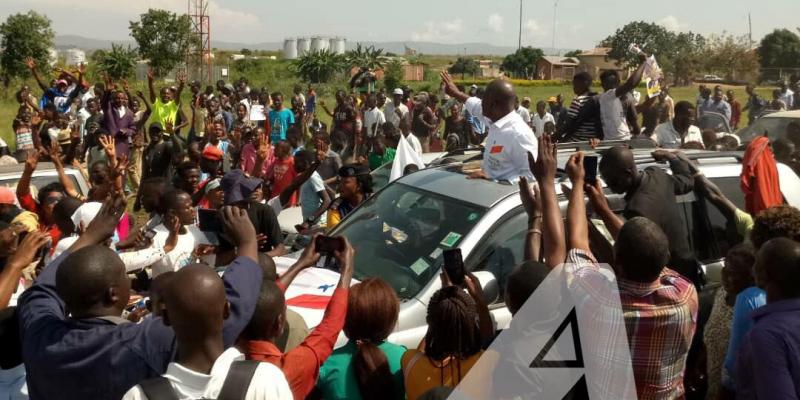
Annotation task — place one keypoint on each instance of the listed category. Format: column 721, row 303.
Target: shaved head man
column 195, row 306
column 92, row 282
column 651, row 194
column 510, row 138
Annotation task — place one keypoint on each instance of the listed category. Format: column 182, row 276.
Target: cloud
column 671, row 23
column 532, row 27
column 439, row 30
column 495, row 23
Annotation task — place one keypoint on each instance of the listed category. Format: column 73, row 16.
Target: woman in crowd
column 452, row 343
column 367, row 367
column 355, row 187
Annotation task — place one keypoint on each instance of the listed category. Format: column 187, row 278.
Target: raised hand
column 169, row 126
column 596, row 196
column 32, row 160
column 55, row 153
column 531, row 198
column 174, row 225
column 27, row 250
column 30, row 63
column 182, row 77
column 125, row 86
column 263, row 147
column 545, row 166
column 108, row 143
column 237, row 225
column 310, row 254
column 449, row 86
column 150, row 73
column 575, row 169
column 122, row 165
column 82, row 68
column 346, row 260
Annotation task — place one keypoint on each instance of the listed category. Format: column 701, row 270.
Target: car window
column 502, row 249
column 380, row 176
column 38, row 182
column 774, row 127
column 400, row 232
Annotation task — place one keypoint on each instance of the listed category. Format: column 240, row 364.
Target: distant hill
column 430, row 48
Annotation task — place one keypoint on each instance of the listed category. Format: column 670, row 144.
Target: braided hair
column 453, row 331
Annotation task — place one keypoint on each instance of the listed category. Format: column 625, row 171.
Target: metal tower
column 199, row 60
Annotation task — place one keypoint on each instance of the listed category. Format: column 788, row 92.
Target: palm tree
column 319, row 66
column 369, row 57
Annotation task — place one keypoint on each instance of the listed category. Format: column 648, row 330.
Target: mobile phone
column 209, row 220
column 454, row 266
column 149, row 234
column 590, row 169
column 328, row 245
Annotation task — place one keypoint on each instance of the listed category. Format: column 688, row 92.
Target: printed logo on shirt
column 496, row 149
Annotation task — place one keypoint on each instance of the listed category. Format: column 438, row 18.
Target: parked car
column 773, row 125
column 400, row 232
column 45, row 174
column 710, row 79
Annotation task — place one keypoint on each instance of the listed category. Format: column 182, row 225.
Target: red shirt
column 29, row 204
column 759, row 178
column 283, row 174
column 301, row 364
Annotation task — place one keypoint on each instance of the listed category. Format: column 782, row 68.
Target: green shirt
column 376, row 160
column 744, row 224
column 164, row 112
column 337, row 378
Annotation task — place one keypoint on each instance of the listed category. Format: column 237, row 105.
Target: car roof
column 19, row 168
column 450, row 180
column 783, row 114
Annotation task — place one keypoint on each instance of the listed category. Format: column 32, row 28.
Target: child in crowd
column 283, row 171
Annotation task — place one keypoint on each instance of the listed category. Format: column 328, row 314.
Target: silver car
column 400, row 232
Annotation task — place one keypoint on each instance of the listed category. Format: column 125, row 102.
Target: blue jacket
column 97, row 359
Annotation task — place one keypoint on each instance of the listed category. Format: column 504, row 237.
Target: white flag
column 404, row 156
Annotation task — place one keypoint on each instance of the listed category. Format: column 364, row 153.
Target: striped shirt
column 660, row 319
column 587, row 128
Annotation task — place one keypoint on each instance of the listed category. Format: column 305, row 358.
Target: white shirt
column 391, row 116
column 508, row 143
column 183, row 253
column 276, row 205
column 268, row 381
column 414, row 142
column 373, row 117
column 788, row 98
column 525, row 114
column 612, row 114
column 667, row 137
column 539, row 122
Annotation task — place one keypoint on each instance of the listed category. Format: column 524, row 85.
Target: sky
column 580, row 24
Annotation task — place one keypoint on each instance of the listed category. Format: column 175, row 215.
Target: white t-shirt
column 539, row 122
column 268, row 382
column 612, row 114
column 183, row 253
column 525, row 114
column 507, row 145
column 309, row 195
column 373, row 117
column 414, row 142
column 391, row 116
column 667, row 137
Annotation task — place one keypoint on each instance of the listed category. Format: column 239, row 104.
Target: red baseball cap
column 213, row 153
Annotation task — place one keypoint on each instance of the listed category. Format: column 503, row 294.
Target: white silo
column 290, row 49
column 303, row 46
column 316, row 44
column 75, row 56
column 325, row 43
column 338, row 45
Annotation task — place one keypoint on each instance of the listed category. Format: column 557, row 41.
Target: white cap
column 397, row 91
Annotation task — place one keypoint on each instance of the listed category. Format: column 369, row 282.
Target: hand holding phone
column 454, row 266
column 329, row 245
column 590, row 169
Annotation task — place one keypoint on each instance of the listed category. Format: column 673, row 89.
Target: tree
column 780, row 49
column 678, row 54
column 393, row 75
column 163, row 38
column 369, row 57
column 573, row 53
column 464, row 66
column 523, row 62
column 319, row 66
column 119, row 63
column 246, row 52
column 24, row 35
column 731, row 56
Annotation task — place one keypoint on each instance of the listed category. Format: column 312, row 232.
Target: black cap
column 352, row 170
column 156, row 125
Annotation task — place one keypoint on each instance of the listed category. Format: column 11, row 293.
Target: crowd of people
column 186, row 302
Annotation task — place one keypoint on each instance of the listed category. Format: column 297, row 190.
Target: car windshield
column 380, row 176
column 399, row 235
column 774, row 127
column 38, row 182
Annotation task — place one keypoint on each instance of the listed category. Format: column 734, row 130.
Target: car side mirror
column 489, row 284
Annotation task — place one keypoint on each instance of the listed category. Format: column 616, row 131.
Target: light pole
column 555, row 7
column 519, row 44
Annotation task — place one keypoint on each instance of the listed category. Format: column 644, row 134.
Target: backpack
column 234, row 388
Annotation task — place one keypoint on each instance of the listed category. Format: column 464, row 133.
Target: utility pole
column 750, row 30
column 519, row 44
column 555, row 7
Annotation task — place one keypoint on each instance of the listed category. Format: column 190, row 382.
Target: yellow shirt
column 333, row 218
column 164, row 112
column 422, row 374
